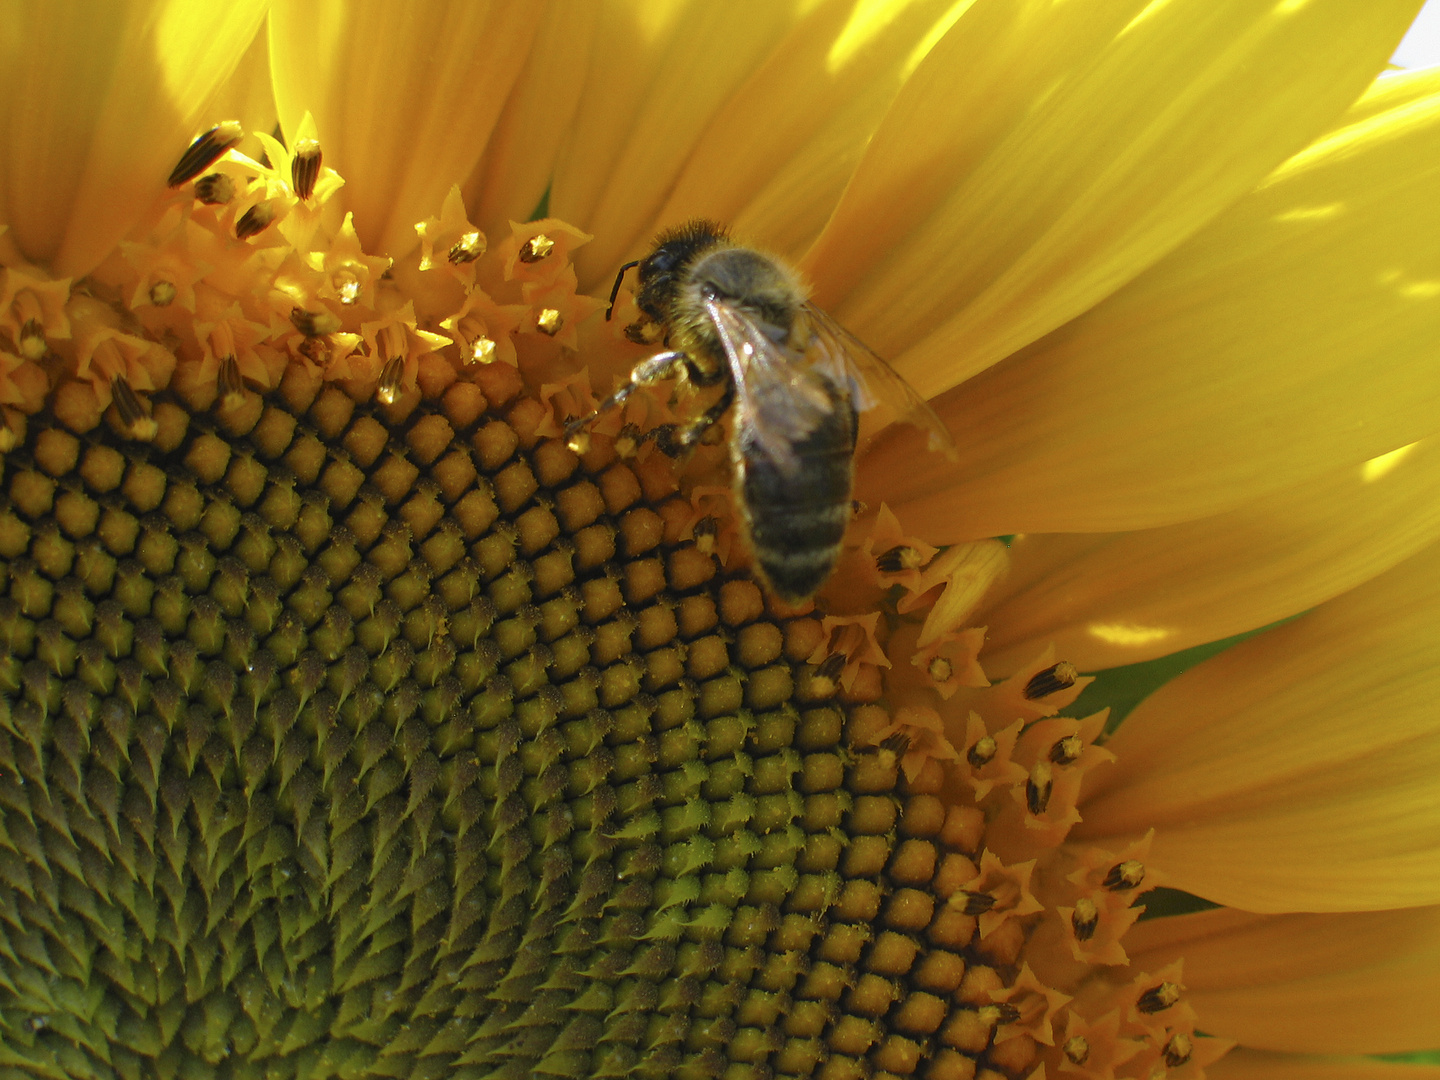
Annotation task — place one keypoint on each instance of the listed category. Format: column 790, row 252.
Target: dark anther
column 204, row 150
column 255, row 220
column 134, row 418
column 1177, row 1051
column 215, row 189
column 897, row 559
column 1158, row 998
column 982, row 752
column 1009, row 1014
column 1084, row 919
column 305, row 168
column 1038, row 788
column 1067, row 751
column 1126, row 875
column 704, row 532
column 896, row 744
column 536, row 248
column 468, row 248
column 972, row 903
column 314, row 323
column 229, row 382
column 1053, row 679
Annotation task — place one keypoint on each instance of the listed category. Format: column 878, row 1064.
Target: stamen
column 1077, row 1050
column 255, row 220
column 549, row 321
column 1084, row 919
column 898, row 559
column 204, row 150
column 940, row 669
column 215, row 189
column 347, row 284
column 1158, row 998
column 1126, row 875
column 314, row 323
column 1001, row 1013
column 579, row 441
column 1038, row 788
column 8, row 436
column 468, row 248
column 628, row 441
column 1067, row 751
column 162, row 293
column 135, row 421
column 316, row 350
column 972, row 903
column 31, row 341
column 388, row 391
column 983, row 752
column 230, row 383
column 894, row 747
column 1178, row 1050
column 482, row 351
column 705, row 531
column 826, row 681
column 1053, row 679
column 536, row 248
column 305, row 168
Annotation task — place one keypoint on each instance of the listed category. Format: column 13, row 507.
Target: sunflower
column 357, row 721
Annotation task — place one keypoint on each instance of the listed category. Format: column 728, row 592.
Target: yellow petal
column 404, row 97
column 660, row 71
column 1297, row 770
column 1356, row 983
column 1109, row 599
column 248, row 95
column 774, row 160
column 1243, row 1064
column 101, row 99
column 1045, row 154
column 514, row 173
column 1291, row 337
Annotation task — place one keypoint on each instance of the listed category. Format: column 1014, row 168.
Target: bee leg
column 675, row 440
column 661, row 366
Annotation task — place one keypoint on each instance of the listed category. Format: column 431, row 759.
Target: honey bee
column 734, row 317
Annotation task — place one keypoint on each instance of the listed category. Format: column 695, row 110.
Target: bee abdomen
column 798, row 550
column 797, row 521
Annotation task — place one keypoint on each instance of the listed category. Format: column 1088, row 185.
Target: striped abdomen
column 797, row 520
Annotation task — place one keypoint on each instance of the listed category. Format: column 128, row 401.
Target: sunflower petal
column 660, row 72
column 1112, row 599
column 112, row 93
column 1291, row 337
column 1243, row 1064
column 1296, row 771
column 404, row 97
column 775, row 159
column 514, row 173
column 1045, row 154
column 1335, row 984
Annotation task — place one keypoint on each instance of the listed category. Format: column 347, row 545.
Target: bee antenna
column 615, row 289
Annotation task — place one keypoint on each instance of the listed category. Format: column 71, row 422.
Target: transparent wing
column 848, row 360
column 780, row 396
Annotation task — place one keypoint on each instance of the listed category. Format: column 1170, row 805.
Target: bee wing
column 780, row 397
column 848, row 360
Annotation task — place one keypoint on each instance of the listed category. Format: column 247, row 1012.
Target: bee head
column 663, row 271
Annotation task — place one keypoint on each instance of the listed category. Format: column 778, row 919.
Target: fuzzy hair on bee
column 733, row 317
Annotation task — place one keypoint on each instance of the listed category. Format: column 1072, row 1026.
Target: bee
column 733, row 317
